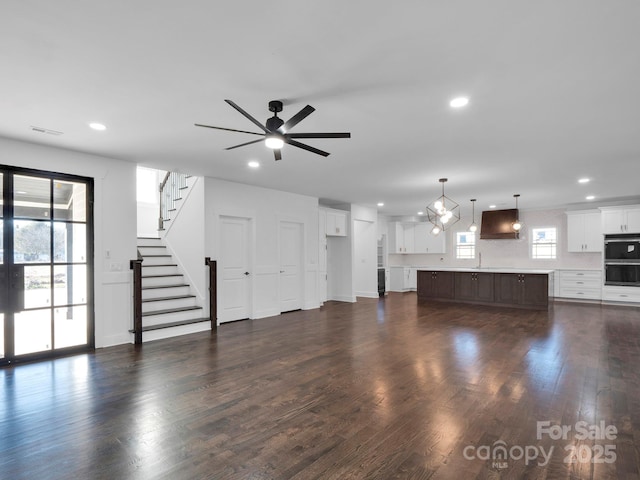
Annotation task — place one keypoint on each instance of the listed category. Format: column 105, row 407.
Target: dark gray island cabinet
column 500, row 287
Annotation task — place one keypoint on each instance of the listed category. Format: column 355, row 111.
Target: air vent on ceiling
column 45, row 130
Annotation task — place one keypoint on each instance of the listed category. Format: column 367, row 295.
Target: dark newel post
column 213, row 291
column 136, row 266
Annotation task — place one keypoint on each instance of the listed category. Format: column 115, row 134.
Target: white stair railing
column 171, row 188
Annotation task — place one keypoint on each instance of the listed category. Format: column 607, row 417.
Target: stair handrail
column 136, row 266
column 170, row 191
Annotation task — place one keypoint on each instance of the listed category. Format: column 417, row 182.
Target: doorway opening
column 46, row 264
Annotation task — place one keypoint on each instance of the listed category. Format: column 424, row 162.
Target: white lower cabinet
column 403, row 279
column 621, row 294
column 399, row 279
column 413, row 278
column 586, row 284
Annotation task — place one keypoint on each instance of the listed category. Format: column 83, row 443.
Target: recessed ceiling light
column 420, row 213
column 97, row 126
column 253, row 164
column 459, row 102
column 380, row 204
column 492, row 206
column 590, row 197
column 584, row 180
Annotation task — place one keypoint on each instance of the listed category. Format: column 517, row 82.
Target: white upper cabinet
column 426, row 242
column 400, row 237
column 409, row 237
column 395, row 238
column 416, row 237
column 336, row 223
column 584, row 232
column 621, row 220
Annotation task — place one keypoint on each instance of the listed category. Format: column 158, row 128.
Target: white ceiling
column 553, row 89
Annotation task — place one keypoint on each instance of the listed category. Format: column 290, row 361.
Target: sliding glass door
column 46, row 288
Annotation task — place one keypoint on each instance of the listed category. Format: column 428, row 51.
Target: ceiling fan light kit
column 275, row 130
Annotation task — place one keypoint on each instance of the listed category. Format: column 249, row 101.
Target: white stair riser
column 157, row 260
column 152, row 251
column 164, row 304
column 163, row 270
column 155, row 281
column 143, row 242
column 172, row 317
column 164, row 292
column 175, row 331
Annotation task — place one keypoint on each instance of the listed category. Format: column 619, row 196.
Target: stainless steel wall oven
column 622, row 260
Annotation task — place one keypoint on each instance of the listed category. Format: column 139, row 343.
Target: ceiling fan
column 276, row 130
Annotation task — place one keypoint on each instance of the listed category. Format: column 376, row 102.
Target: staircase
column 167, row 300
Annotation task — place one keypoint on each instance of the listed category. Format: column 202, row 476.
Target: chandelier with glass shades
column 442, row 212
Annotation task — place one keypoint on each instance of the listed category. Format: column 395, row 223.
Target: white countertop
column 487, row 269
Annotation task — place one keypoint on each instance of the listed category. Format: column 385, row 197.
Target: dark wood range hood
column 496, row 224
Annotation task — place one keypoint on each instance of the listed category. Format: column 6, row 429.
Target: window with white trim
column 465, row 245
column 544, row 243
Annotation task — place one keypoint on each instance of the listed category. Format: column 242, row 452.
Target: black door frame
column 8, row 172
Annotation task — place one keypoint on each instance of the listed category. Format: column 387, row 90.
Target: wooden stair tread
column 163, row 265
column 178, row 323
column 160, row 299
column 170, row 310
column 163, row 275
column 175, row 285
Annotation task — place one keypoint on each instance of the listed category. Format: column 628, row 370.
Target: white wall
column 266, row 208
column 148, row 201
column 509, row 253
column 114, row 227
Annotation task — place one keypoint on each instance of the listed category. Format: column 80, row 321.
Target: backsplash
column 509, row 253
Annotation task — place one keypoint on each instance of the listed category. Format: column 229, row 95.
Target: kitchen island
column 520, row 288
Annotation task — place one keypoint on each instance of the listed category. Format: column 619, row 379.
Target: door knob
column 246, row 273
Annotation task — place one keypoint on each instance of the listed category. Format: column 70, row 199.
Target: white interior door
column 291, row 280
column 235, row 292
column 366, row 259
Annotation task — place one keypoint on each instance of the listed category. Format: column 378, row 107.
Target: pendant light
column 442, row 212
column 473, row 227
column 517, row 225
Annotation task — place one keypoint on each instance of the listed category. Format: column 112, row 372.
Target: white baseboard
column 343, row 298
column 367, row 294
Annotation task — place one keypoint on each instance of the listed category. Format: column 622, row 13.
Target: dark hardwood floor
column 384, row 389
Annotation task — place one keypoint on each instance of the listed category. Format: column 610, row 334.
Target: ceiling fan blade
column 243, row 144
column 319, row 135
column 277, row 154
column 256, row 122
column 227, row 129
column 297, row 118
column 308, row 148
